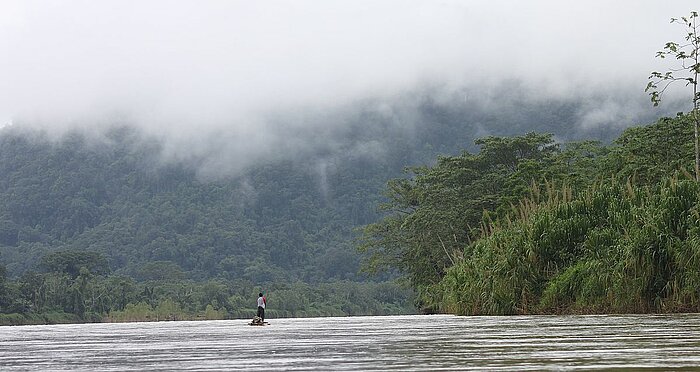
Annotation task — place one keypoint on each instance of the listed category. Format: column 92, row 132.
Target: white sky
column 187, row 67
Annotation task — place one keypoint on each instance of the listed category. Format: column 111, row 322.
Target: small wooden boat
column 258, row 322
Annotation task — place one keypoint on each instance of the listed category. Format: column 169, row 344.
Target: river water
column 434, row 343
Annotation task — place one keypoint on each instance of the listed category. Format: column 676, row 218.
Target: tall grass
column 615, row 248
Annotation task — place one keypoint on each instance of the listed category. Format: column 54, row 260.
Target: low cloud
column 248, row 80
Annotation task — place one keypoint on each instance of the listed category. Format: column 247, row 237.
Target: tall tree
column 432, row 216
column 72, row 262
column 4, row 298
column 687, row 54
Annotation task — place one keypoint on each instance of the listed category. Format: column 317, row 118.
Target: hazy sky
column 192, row 67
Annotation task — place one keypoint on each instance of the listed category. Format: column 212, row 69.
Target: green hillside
column 158, row 229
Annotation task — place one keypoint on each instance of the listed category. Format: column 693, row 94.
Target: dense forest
column 89, row 231
column 102, row 227
column 527, row 225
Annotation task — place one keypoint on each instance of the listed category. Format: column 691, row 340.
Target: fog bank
column 244, row 80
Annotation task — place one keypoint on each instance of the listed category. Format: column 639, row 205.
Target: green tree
column 169, row 310
column 638, row 156
column 5, row 300
column 72, row 261
column 687, row 54
column 160, row 270
column 615, row 248
column 436, row 213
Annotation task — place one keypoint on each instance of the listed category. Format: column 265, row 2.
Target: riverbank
column 40, row 319
column 143, row 313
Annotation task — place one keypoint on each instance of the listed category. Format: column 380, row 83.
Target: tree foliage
column 436, row 213
column 172, row 237
column 617, row 248
column 687, row 55
column 74, row 263
column 55, row 297
column 523, row 224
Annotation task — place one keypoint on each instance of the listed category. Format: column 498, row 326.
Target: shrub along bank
column 617, row 248
column 530, row 226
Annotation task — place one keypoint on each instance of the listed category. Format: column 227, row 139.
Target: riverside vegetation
column 527, row 226
column 100, row 227
column 108, row 233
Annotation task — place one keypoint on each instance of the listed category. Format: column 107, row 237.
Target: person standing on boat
column 261, row 306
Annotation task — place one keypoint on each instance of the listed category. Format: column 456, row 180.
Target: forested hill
column 103, row 225
column 152, row 220
column 288, row 218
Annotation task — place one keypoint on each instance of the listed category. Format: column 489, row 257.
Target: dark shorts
column 261, row 312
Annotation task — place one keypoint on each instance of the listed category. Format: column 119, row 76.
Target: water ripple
column 403, row 343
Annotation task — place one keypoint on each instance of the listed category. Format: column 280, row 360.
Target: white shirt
column 261, row 303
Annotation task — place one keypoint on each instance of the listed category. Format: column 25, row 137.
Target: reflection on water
column 362, row 343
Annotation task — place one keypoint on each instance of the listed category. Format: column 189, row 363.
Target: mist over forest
column 296, row 204
column 446, row 120
column 224, row 86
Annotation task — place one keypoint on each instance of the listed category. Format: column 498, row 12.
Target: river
column 404, row 343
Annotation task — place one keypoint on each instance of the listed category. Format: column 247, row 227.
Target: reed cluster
column 615, row 248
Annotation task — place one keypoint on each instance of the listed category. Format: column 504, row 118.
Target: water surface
column 362, row 343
